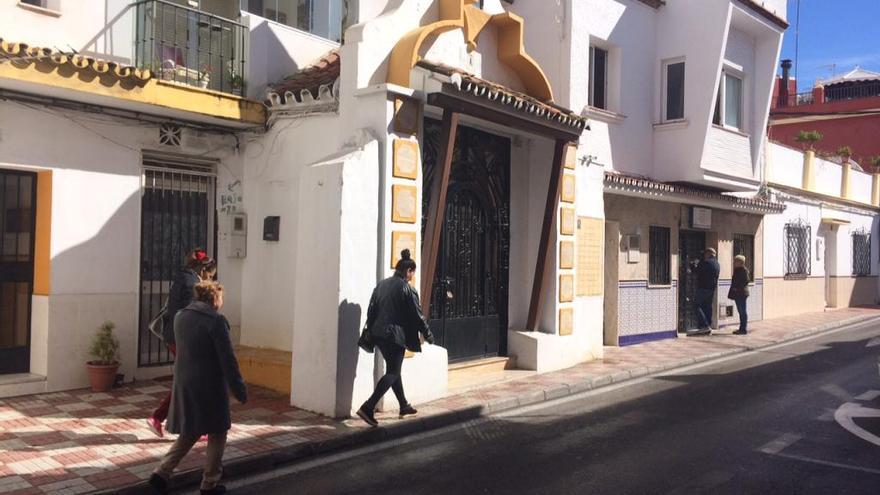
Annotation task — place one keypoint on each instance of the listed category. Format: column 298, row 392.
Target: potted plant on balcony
column 808, row 139
column 844, row 152
column 105, row 353
column 875, row 161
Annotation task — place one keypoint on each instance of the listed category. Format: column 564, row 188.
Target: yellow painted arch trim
column 461, row 14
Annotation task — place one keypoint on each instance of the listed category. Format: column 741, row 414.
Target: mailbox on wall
column 701, row 218
column 271, row 227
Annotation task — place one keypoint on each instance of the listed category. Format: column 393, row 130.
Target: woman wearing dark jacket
column 395, row 320
column 204, row 372
column 199, row 266
column 739, row 292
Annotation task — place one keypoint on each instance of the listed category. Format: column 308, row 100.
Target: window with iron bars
column 797, row 250
column 658, row 256
column 744, row 244
column 861, row 242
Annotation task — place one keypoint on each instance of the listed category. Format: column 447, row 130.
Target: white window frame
column 664, row 74
column 721, row 98
column 48, row 7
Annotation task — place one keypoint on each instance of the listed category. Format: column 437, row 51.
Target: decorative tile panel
column 566, row 321
column 644, row 310
column 566, row 255
column 406, row 159
column 566, row 288
column 568, row 188
column 399, row 242
column 566, row 221
column 404, row 203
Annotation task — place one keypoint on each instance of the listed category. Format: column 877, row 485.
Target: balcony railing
column 805, row 98
column 852, row 91
column 190, row 46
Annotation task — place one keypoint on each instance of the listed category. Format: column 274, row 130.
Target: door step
column 479, row 371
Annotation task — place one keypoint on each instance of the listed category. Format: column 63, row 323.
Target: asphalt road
column 760, row 423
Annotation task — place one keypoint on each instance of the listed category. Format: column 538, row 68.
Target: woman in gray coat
column 204, row 372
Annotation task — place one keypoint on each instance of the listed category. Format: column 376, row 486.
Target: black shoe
column 158, row 483
column 740, row 332
column 407, row 410
column 367, row 416
column 217, row 490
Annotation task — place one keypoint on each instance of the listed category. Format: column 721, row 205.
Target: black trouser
column 393, row 355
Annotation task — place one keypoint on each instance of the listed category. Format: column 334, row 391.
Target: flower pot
column 102, row 376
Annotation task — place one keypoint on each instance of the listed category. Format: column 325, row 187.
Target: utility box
column 237, row 247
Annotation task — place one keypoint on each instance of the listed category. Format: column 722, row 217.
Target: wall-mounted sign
column 701, row 218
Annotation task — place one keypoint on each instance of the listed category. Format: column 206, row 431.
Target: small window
column 658, row 256
column 861, row 254
column 674, row 84
column 744, row 244
column 797, row 250
column 729, row 102
column 35, row 3
column 598, row 92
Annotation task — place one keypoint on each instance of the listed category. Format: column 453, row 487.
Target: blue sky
column 841, row 32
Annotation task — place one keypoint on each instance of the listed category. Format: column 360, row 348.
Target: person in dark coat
column 395, row 321
column 199, row 266
column 739, row 292
column 707, row 270
column 204, row 372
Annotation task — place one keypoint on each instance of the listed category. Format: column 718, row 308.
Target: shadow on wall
column 347, row 353
column 92, row 282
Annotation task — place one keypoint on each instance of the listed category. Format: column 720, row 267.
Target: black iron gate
column 17, row 228
column 690, row 248
column 469, row 297
column 177, row 214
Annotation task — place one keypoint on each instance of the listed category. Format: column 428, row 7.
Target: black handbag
column 366, row 341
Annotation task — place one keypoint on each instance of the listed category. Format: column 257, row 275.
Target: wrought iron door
column 17, row 228
column 177, row 214
column 690, row 248
column 469, row 296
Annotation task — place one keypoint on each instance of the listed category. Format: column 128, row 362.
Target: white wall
column 95, row 233
column 102, row 27
column 785, row 166
column 828, row 177
column 860, row 186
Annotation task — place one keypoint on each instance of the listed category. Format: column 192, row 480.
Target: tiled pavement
column 78, row 442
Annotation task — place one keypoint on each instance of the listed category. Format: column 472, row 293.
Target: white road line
column 844, row 417
column 869, row 395
column 836, row 391
column 828, row 463
column 780, row 444
column 873, row 342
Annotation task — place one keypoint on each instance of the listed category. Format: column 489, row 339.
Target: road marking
column 874, row 342
column 828, row 463
column 780, row 444
column 844, row 417
column 869, row 395
column 828, row 415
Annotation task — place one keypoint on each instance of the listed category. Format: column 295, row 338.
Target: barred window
column 658, row 256
column 861, row 253
column 744, row 244
column 797, row 250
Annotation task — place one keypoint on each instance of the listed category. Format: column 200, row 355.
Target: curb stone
column 270, row 460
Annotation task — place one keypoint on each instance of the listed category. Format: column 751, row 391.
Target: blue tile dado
column 645, row 311
column 625, row 340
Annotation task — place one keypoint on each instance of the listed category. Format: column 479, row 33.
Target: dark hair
column 209, row 265
column 207, row 291
column 406, row 263
column 195, row 258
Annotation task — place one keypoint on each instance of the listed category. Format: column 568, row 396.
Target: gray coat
column 204, row 372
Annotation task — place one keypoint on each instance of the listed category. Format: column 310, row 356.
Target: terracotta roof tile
column 635, row 183
column 519, row 101
column 324, row 71
column 22, row 54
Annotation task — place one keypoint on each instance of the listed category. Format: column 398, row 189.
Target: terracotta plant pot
column 102, row 376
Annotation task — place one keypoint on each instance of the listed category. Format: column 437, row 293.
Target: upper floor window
column 35, row 3
column 598, row 93
column 729, row 102
column 797, row 250
column 324, row 18
column 861, row 253
column 673, row 87
column 48, row 5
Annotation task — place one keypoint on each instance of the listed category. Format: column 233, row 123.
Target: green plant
column 808, row 137
column 105, row 345
column 237, row 81
column 844, row 152
column 875, row 161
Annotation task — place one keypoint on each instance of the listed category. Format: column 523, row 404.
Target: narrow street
column 760, row 423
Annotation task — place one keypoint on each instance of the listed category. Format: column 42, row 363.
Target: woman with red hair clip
column 197, row 267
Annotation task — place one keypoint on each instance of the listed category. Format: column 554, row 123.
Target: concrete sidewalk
column 79, row 442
